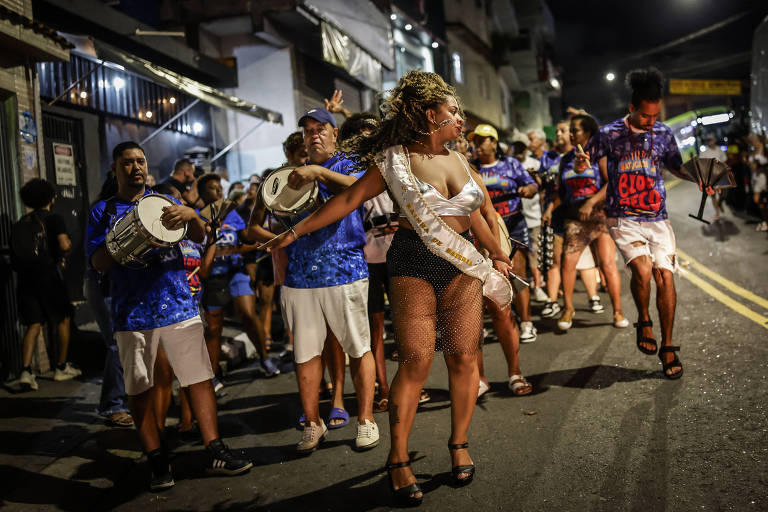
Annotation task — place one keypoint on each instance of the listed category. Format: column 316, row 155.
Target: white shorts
column 586, row 260
column 759, row 181
column 343, row 308
column 184, row 345
column 654, row 239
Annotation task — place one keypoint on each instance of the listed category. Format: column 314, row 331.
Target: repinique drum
column 139, row 235
column 284, row 201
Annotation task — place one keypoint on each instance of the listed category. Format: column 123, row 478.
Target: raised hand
column 335, row 103
column 581, row 163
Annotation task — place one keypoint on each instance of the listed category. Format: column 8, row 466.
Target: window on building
column 458, row 70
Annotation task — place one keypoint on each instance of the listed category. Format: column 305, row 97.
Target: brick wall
column 21, row 6
column 20, row 82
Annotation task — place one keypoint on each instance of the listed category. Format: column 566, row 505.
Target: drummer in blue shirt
column 326, row 283
column 153, row 306
column 507, row 182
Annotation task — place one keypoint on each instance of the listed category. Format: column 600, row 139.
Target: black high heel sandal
column 674, row 363
column 459, row 470
column 644, row 339
column 404, row 495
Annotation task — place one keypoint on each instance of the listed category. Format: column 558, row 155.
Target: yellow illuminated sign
column 715, row 87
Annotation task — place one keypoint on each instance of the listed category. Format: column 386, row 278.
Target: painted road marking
column 725, row 299
column 738, row 290
column 672, row 183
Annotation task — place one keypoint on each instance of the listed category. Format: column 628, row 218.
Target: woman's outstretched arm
column 339, row 206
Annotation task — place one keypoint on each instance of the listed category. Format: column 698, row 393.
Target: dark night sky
column 595, row 37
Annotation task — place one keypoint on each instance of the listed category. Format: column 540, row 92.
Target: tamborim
column 139, row 235
column 282, row 200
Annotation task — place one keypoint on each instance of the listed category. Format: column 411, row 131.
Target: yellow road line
column 725, row 299
column 738, row 290
column 672, row 183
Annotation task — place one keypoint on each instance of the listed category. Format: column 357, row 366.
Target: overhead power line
column 689, row 37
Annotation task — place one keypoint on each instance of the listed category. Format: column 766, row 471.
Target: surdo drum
column 139, row 235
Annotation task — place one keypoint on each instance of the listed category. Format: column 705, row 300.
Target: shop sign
column 713, row 87
column 64, row 164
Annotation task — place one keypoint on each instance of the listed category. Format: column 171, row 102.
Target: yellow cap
column 484, row 130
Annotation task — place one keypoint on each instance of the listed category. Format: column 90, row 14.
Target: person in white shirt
column 532, row 214
column 713, row 151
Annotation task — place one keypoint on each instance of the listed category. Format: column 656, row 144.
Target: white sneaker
column 69, row 372
column 551, row 309
column 27, row 381
column 538, row 295
column 527, row 332
column 595, row 305
column 619, row 321
column 482, row 388
column 367, row 435
column 312, row 436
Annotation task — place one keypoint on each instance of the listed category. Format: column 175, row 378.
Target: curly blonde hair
column 404, row 118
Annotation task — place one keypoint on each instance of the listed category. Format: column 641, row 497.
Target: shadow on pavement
column 590, row 377
column 721, row 229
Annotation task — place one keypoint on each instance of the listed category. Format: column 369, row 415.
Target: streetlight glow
column 172, row 100
column 408, row 26
column 197, row 128
column 118, row 82
column 83, row 94
column 434, row 44
column 149, row 114
column 554, row 82
column 610, row 76
column 393, row 16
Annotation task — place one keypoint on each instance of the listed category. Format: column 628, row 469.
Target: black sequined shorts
column 409, row 257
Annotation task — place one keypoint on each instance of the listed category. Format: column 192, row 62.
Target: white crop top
column 469, row 198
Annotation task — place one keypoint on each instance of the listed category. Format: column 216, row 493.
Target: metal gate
column 10, row 327
column 65, row 169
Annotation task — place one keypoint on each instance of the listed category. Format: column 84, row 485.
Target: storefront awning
column 177, row 81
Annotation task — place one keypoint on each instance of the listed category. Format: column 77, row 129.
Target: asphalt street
column 603, row 429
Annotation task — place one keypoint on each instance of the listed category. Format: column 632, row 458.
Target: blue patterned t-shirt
column 578, row 186
column 228, row 237
column 147, row 298
column 634, row 160
column 332, row 255
column 502, row 180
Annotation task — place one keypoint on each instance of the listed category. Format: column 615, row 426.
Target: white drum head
column 149, row 209
column 279, row 197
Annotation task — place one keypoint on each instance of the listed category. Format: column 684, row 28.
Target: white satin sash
column 439, row 238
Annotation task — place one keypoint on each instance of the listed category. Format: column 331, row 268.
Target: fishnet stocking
column 418, row 312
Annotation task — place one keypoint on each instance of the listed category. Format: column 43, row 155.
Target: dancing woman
column 437, row 277
column 585, row 222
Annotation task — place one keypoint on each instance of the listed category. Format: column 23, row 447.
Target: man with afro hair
column 631, row 152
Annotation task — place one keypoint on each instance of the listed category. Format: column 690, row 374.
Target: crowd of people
column 419, row 222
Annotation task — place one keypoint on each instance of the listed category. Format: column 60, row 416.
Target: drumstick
column 193, row 273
